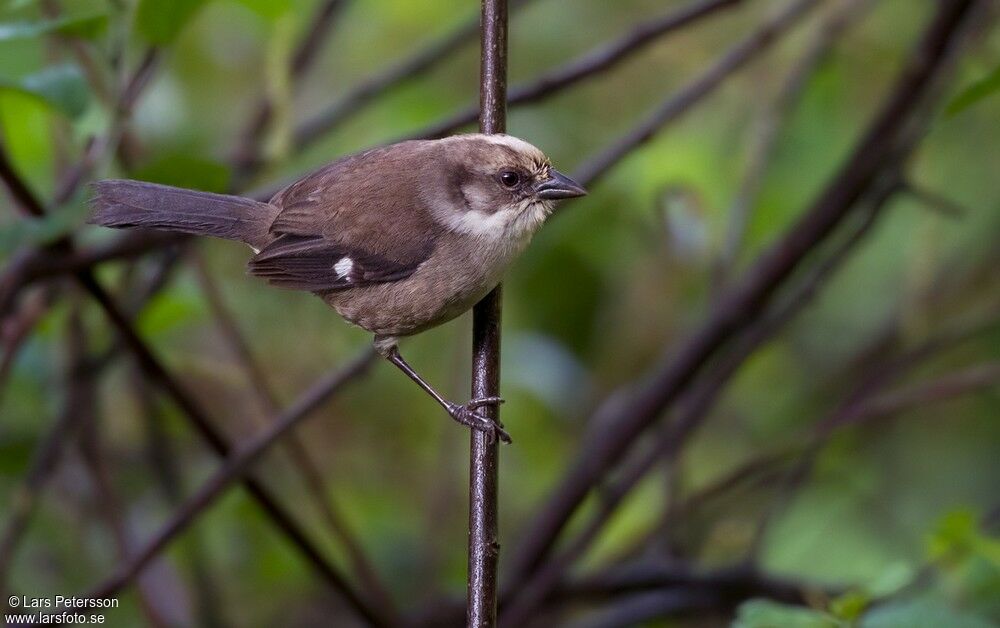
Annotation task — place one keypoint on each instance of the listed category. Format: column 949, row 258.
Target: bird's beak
column 558, row 186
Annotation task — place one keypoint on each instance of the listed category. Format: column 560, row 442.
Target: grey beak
column 558, row 186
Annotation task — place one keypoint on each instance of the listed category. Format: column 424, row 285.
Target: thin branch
column 935, row 201
column 692, row 93
column 693, row 408
column 14, row 331
column 169, row 478
column 588, row 65
column 233, row 470
column 767, row 130
column 297, row 452
column 378, row 84
column 969, row 380
column 25, row 498
column 12, row 280
column 645, row 591
column 642, row 608
column 23, row 197
column 155, row 371
column 40, row 264
column 737, row 583
column 627, row 414
column 112, row 141
column 484, row 458
column 874, row 404
column 986, row 375
column 81, row 388
column 137, row 295
column 305, row 55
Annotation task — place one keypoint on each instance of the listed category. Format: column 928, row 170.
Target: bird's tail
column 121, row 204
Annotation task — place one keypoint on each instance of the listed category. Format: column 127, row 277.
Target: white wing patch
column 343, row 268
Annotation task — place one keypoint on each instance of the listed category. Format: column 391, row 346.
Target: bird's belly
column 431, row 296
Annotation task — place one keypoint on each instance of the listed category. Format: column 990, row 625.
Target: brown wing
column 355, row 222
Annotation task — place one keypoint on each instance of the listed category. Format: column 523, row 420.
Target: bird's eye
column 510, row 178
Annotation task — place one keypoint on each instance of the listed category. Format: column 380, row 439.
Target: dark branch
column 484, row 542
column 321, row 25
column 588, row 65
column 693, row 409
column 628, row 413
column 43, row 462
column 736, row 584
column 680, row 103
column 769, row 126
column 155, row 371
column 81, row 392
column 407, row 70
column 234, row 469
column 297, row 453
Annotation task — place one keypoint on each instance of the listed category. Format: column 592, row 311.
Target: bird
column 397, row 239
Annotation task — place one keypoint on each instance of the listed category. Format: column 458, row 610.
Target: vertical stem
column 484, row 546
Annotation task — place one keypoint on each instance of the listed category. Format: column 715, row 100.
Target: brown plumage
column 396, row 239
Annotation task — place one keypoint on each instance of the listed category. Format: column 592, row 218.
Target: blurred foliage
column 604, row 290
column 987, row 86
column 62, row 87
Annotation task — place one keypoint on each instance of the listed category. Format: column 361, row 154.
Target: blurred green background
column 613, row 281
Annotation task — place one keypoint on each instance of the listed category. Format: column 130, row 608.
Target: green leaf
column 269, row 10
column 890, row 580
column 921, row 614
column 987, row 86
column 89, row 26
column 168, row 311
column 954, row 537
column 768, row 614
column 185, row 171
column 62, row 87
column 850, row 605
column 160, row 21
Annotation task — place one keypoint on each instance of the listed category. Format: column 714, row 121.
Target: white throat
column 515, row 222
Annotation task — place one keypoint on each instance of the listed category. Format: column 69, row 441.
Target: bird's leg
column 466, row 414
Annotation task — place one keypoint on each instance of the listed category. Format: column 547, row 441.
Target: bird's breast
column 459, row 273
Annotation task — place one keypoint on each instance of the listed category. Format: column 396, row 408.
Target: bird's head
column 497, row 186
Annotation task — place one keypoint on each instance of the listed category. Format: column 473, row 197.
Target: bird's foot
column 469, row 415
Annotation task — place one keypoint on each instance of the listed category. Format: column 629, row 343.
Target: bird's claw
column 485, row 401
column 469, row 415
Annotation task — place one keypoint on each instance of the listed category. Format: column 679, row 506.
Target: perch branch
column 484, row 542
